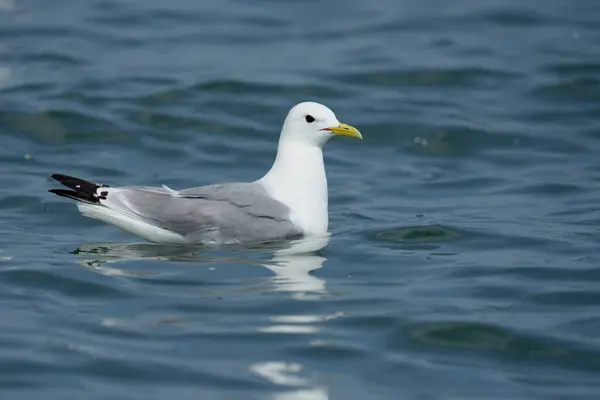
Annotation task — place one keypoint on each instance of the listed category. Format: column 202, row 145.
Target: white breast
column 298, row 180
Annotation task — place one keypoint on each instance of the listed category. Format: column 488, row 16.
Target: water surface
column 463, row 261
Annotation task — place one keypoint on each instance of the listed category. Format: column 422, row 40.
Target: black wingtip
column 77, row 183
column 66, row 178
column 82, row 190
column 72, row 194
column 59, row 177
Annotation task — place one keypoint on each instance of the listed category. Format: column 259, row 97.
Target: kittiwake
column 290, row 201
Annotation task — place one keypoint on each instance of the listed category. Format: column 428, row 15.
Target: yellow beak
column 345, row 130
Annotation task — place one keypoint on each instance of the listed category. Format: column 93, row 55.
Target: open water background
column 464, row 260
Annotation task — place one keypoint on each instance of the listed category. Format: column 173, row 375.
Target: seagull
column 289, row 202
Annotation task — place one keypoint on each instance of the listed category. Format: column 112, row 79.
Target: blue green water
column 464, row 260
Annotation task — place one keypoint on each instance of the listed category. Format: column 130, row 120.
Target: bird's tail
column 83, row 190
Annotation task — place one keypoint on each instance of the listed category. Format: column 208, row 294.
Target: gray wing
column 225, row 213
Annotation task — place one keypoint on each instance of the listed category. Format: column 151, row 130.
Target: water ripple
column 464, row 256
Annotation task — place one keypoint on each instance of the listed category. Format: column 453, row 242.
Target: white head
column 314, row 124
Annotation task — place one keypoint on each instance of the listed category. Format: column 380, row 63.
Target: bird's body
column 290, row 201
column 213, row 214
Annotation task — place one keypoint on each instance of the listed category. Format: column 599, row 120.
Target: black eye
column 309, row 119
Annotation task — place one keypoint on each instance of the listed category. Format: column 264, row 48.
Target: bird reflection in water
column 292, row 262
column 293, row 265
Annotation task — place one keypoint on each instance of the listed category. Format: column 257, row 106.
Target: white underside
column 134, row 226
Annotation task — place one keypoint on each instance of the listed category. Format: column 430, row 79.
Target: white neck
column 298, row 180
